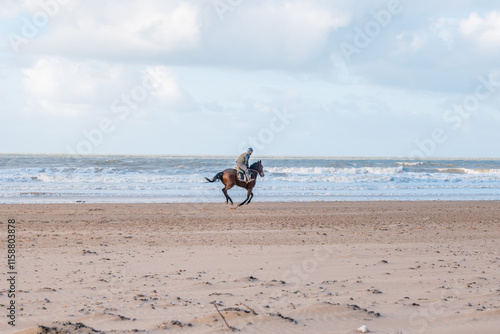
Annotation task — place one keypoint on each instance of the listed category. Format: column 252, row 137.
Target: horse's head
column 257, row 166
column 260, row 168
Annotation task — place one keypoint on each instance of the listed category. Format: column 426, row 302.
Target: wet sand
column 316, row 267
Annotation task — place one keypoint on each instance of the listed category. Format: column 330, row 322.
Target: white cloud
column 278, row 34
column 62, row 87
column 483, row 31
column 66, row 88
column 306, row 27
column 166, row 87
column 445, row 29
column 10, row 8
column 411, row 41
column 255, row 34
column 121, row 29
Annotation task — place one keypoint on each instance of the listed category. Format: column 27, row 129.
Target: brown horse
column 229, row 178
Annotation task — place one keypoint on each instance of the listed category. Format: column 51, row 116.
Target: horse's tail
column 218, row 176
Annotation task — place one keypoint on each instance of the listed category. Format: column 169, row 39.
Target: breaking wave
column 58, row 178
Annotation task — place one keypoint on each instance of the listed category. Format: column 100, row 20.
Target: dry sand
column 396, row 267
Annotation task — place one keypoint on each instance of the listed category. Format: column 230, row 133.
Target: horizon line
column 263, row 156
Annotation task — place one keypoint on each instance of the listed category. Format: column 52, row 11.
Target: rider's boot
column 242, row 177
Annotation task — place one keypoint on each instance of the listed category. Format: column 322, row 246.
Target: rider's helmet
column 250, row 150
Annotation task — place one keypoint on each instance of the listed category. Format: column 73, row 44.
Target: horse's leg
column 248, row 196
column 225, row 194
column 229, row 186
column 228, row 183
column 224, row 190
column 251, row 196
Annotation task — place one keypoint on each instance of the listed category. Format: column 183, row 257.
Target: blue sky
column 307, row 78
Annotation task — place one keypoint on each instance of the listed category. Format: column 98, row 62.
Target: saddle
column 241, row 174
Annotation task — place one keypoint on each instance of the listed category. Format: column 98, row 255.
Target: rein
column 254, row 170
column 250, row 169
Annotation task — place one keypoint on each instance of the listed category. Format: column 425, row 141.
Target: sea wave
column 476, row 171
column 334, row 170
column 148, row 178
column 406, row 163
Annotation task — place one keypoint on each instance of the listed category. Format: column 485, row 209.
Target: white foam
column 334, row 170
column 405, row 163
column 140, row 179
column 481, row 171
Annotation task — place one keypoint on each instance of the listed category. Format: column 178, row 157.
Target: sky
column 414, row 79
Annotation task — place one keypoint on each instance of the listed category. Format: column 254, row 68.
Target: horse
column 229, row 178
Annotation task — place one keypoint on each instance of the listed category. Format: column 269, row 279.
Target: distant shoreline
column 221, row 202
column 237, row 201
column 280, row 206
column 256, row 156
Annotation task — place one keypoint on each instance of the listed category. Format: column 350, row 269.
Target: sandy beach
column 316, row 267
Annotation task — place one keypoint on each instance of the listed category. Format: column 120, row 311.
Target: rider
column 242, row 163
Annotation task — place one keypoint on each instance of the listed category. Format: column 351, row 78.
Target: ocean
column 30, row 178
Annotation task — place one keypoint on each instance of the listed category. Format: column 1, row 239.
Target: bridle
column 256, row 171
